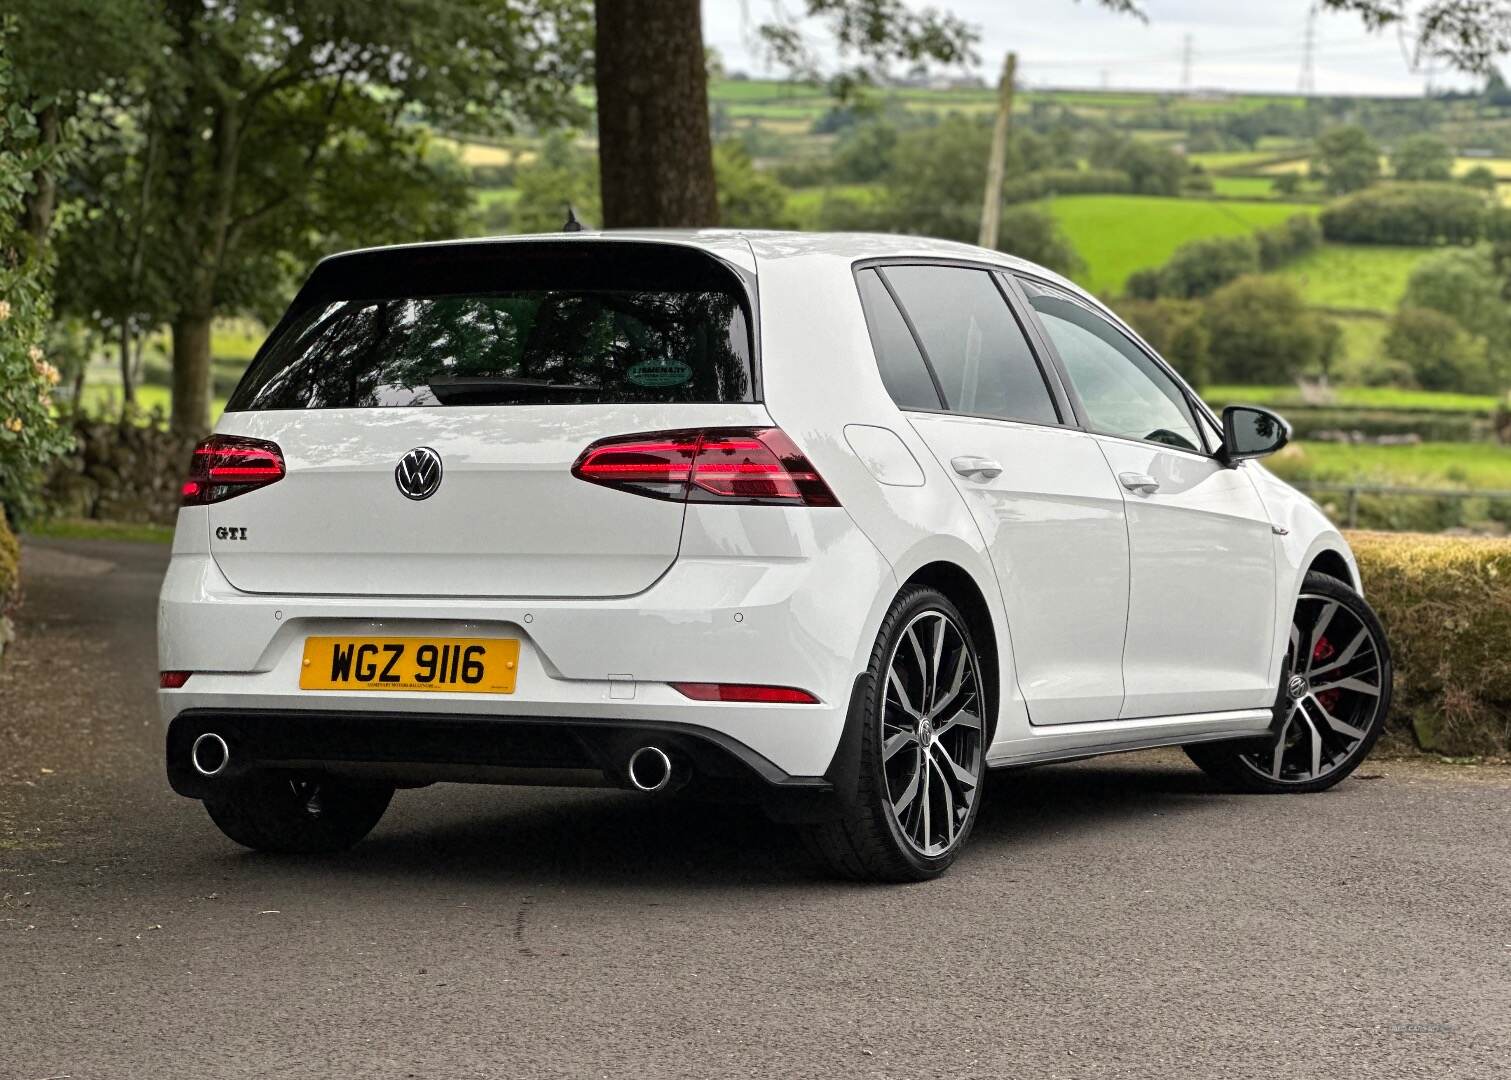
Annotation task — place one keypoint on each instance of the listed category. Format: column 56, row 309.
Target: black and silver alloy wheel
column 922, row 734
column 1333, row 701
column 931, row 733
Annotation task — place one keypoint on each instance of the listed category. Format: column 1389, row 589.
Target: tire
column 303, row 816
column 870, row 840
column 1322, row 735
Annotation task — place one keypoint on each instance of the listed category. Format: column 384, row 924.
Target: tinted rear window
column 569, row 324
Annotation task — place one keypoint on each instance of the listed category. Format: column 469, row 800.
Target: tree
column 562, row 175
column 655, row 150
column 1437, row 351
column 1152, row 169
column 1287, row 183
column 1467, row 34
column 1345, row 159
column 748, row 198
column 1481, row 177
column 1422, row 157
column 1261, row 331
column 1464, row 285
column 278, row 126
column 1199, row 266
column 1174, row 328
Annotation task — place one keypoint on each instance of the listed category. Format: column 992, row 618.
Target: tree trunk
column 40, row 203
column 128, row 376
column 191, row 374
column 655, row 153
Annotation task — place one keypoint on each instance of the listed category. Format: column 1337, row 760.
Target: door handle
column 980, row 467
column 1142, row 483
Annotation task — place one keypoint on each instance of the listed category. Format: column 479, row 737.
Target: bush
column 1262, row 332
column 1036, row 185
column 1409, row 214
column 1446, row 606
column 1174, row 329
column 10, row 568
column 1199, row 266
column 1422, row 157
column 1439, row 353
column 1291, row 239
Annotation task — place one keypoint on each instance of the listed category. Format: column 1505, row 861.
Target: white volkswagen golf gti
column 829, row 523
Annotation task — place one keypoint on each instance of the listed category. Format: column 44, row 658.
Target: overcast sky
column 1235, row 44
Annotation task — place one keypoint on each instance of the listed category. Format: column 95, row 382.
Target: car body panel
column 751, row 594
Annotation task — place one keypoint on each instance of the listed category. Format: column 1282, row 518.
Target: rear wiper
column 448, row 388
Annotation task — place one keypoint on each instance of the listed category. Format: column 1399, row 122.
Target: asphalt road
column 1115, row 918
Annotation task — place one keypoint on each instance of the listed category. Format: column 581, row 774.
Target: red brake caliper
column 1323, row 652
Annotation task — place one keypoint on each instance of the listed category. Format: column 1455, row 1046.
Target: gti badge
column 418, row 473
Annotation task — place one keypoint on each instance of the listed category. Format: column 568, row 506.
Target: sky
column 1254, row 45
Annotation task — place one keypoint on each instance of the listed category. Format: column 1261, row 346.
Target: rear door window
column 973, row 343
column 524, row 327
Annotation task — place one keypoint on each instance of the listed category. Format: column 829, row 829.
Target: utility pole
column 1185, row 64
column 996, row 165
column 1308, row 83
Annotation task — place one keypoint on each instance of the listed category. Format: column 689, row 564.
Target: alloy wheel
column 932, row 733
column 1331, row 697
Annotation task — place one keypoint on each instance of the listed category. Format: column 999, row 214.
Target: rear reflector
column 225, row 466
column 172, row 680
column 763, row 695
column 758, row 466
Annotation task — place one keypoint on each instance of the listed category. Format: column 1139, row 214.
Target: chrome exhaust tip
column 649, row 769
column 210, row 755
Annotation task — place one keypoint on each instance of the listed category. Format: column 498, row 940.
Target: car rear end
column 513, row 511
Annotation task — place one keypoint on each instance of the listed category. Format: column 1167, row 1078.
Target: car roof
column 772, row 245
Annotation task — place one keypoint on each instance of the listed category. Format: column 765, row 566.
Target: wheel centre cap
column 925, row 733
column 1298, row 687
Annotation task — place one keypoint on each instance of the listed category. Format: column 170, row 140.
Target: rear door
column 494, row 366
column 1202, row 598
column 954, row 356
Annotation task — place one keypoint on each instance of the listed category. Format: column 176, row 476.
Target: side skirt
column 1062, row 742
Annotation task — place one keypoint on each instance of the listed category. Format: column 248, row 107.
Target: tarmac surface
column 1115, row 918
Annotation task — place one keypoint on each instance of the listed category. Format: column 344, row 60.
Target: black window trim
column 1052, row 375
column 1193, row 400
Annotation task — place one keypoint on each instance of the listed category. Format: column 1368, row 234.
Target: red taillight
column 224, row 466
column 172, row 680
column 763, row 695
column 748, row 465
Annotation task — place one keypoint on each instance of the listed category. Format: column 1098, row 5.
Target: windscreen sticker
column 659, row 373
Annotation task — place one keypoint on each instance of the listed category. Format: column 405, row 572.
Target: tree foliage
column 1437, row 351
column 1345, row 159
column 1403, row 213
column 1261, row 332
column 1422, row 157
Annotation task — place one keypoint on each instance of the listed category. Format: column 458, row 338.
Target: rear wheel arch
column 956, row 583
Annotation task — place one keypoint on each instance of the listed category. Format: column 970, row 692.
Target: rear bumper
column 805, row 618
column 406, row 749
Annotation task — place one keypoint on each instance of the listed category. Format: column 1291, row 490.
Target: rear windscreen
column 524, row 327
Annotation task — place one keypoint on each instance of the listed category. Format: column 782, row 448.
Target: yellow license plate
column 456, row 665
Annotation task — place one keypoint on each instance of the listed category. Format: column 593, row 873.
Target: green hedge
column 1409, row 214
column 1446, row 605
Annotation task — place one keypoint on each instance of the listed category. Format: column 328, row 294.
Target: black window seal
column 1059, row 400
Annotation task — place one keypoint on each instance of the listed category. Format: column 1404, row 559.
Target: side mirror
column 1251, row 432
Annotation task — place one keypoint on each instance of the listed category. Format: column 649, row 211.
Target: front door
column 1201, row 602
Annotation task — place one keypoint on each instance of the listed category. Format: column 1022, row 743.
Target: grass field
column 1482, row 466
column 1118, row 234
column 1361, row 277
column 1244, row 187
column 1362, row 397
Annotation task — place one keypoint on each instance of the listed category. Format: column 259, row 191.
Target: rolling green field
column 1118, row 234
column 1360, row 397
column 1483, row 466
column 1357, row 277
